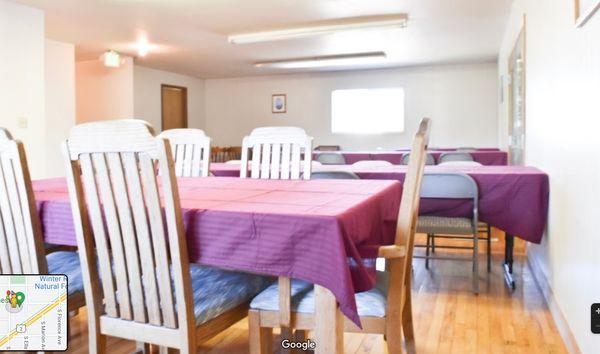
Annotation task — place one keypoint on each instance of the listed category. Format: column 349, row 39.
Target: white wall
column 563, row 121
column 60, row 101
column 461, row 100
column 102, row 92
column 22, row 79
column 147, row 95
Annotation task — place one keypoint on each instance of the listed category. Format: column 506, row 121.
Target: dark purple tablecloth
column 301, row 229
column 484, row 157
column 511, row 198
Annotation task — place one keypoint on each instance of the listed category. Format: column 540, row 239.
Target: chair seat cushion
column 444, row 225
column 215, row 291
column 67, row 263
column 369, row 303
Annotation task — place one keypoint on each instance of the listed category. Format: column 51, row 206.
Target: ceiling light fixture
column 351, row 24
column 111, row 59
column 143, row 47
column 326, row 61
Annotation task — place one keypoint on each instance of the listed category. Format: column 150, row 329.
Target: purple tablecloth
column 484, row 157
column 452, row 149
column 511, row 198
column 301, row 229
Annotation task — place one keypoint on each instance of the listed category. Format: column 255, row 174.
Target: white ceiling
column 191, row 35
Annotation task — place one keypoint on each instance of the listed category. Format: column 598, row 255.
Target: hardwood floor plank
column 448, row 317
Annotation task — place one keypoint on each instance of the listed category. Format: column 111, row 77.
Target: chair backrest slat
column 143, row 242
column 277, row 153
column 136, row 240
column 286, row 160
column 121, row 194
column 21, row 244
column 95, row 205
column 157, row 230
column 191, row 151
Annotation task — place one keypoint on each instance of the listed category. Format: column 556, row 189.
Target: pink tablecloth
column 302, row 229
column 511, row 198
column 484, row 157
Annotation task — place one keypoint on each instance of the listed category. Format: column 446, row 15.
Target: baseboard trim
column 559, row 319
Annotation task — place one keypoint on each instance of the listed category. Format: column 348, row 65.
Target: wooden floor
column 449, row 318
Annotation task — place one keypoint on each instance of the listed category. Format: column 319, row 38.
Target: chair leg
column 301, row 335
column 260, row 337
column 427, row 252
column 407, row 321
column 475, row 260
column 489, row 248
column 142, row 348
column 286, row 333
column 97, row 341
column 432, row 243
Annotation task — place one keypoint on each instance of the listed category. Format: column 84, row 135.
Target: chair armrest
column 392, row 251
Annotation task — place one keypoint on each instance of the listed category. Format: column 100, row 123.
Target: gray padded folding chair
column 333, row 175
column 331, row 158
column 451, row 186
column 429, row 159
column 455, row 156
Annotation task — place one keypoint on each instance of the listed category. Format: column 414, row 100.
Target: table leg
column 508, row 260
column 329, row 323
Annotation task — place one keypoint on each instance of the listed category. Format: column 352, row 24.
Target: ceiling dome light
column 143, row 47
column 111, row 59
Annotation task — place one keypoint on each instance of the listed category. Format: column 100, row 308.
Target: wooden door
column 174, row 107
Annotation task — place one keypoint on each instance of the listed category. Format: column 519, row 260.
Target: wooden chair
column 191, row 151
column 138, row 282
column 234, row 153
column 217, row 154
column 397, row 316
column 277, row 153
column 21, row 240
column 328, row 148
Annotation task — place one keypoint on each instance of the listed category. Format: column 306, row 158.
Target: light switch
column 22, row 122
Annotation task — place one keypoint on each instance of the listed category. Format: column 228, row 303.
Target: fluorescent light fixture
column 111, row 59
column 325, row 61
column 351, row 24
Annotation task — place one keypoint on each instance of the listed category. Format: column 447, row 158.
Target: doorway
column 516, row 101
column 174, row 107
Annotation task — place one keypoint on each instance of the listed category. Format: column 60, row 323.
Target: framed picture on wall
column 279, row 103
column 584, row 10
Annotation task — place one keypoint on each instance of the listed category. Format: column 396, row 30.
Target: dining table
column 513, row 199
column 484, row 157
column 326, row 232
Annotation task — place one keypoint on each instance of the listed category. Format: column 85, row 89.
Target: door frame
column 520, row 43
column 185, row 105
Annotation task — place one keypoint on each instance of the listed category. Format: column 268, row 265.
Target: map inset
column 33, row 312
